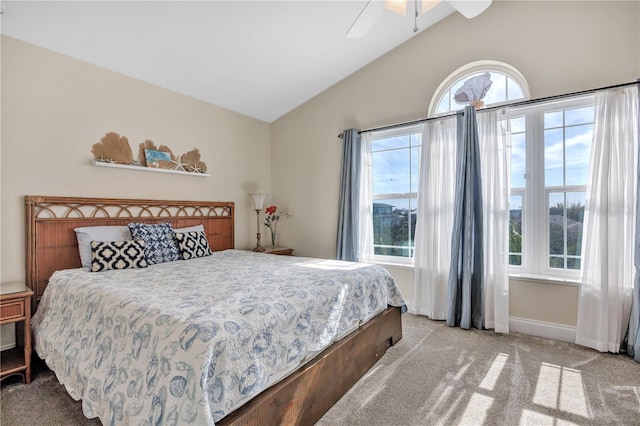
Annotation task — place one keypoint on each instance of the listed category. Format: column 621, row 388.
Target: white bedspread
column 187, row 342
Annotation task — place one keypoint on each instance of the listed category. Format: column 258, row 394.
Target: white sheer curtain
column 434, row 218
column 494, row 141
column 608, row 242
column 365, row 249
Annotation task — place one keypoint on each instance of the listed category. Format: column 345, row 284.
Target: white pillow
column 196, row 228
column 98, row 233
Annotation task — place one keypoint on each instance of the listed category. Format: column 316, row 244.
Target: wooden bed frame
column 301, row 398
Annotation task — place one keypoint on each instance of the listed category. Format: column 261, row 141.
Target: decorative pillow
column 159, row 241
column 193, row 244
column 117, row 255
column 98, row 233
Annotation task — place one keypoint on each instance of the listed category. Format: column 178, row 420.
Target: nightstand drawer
column 15, row 307
column 12, row 310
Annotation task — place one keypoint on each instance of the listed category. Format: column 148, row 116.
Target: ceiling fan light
column 396, row 6
column 427, row 5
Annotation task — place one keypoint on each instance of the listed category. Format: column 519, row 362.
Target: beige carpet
column 435, row 375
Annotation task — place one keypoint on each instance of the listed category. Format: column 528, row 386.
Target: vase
column 273, row 238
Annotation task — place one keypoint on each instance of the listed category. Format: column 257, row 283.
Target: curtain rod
column 511, row 105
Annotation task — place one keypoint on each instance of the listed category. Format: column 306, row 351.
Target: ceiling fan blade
column 365, row 20
column 470, row 8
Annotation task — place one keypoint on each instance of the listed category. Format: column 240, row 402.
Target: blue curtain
column 465, row 286
column 349, row 210
column 633, row 335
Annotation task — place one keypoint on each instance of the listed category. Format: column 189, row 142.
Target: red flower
column 271, row 210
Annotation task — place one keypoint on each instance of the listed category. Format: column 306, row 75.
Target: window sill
column 545, row 279
column 407, row 265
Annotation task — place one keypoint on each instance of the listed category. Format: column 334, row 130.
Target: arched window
column 508, row 85
column 550, row 150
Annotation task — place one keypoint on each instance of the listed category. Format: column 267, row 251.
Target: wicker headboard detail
column 52, row 245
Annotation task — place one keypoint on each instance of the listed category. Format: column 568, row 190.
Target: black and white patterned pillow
column 159, row 241
column 193, row 244
column 107, row 255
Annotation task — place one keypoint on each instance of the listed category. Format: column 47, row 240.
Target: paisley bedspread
column 188, row 342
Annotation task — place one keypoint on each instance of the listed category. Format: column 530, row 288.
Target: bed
column 230, row 338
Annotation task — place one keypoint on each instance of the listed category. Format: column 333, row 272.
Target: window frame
column 408, row 130
column 535, row 220
column 473, row 68
column 535, row 217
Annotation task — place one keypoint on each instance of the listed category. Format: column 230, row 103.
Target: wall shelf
column 145, row 169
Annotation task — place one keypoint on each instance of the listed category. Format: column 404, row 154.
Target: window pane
column 579, row 116
column 396, row 170
column 391, row 171
column 578, row 153
column 416, row 139
column 556, row 224
column 444, row 105
column 498, row 90
column 502, row 88
column 553, row 119
column 452, row 92
column 394, row 227
column 556, row 262
column 575, row 221
column 514, row 91
column 401, row 141
column 415, row 169
column 518, row 160
column 517, row 125
column 553, row 157
column 413, row 217
column 515, row 230
column 566, row 219
column 573, row 263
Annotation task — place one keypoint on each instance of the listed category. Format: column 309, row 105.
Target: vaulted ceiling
column 258, row 58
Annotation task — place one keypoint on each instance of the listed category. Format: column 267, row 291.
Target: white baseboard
column 544, row 329
column 7, row 346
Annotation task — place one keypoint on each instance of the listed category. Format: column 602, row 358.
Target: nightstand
column 282, row 251
column 15, row 307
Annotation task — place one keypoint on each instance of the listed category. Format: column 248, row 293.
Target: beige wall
column 55, row 108
column 559, row 47
column 544, row 301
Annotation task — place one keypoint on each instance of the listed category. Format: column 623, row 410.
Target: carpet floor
column 436, row 375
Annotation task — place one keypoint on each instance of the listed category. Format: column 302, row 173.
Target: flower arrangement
column 271, row 218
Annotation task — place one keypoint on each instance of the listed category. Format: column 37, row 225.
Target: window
column 396, row 170
column 508, row 85
column 550, row 153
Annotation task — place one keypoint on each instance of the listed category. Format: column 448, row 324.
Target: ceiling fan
column 373, row 8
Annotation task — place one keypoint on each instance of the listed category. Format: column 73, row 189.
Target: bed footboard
column 304, row 397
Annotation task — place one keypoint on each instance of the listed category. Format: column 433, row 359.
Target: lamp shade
column 258, row 200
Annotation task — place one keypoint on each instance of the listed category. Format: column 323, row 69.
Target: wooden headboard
column 52, row 245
